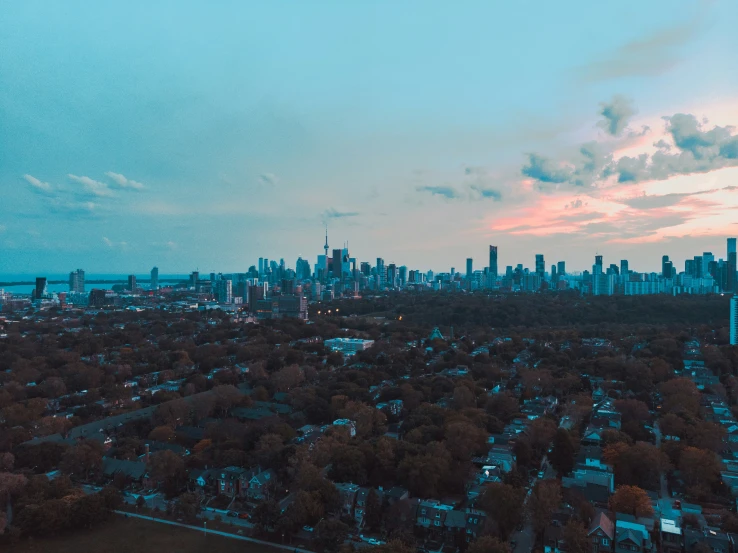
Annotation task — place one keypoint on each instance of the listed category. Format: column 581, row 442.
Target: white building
column 348, row 346
column 734, row 320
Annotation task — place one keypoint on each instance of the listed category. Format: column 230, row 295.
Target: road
column 524, row 539
column 218, row 532
column 664, row 493
column 210, row 515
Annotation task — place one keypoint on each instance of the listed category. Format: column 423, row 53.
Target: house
column 475, row 521
column 229, row 480
column 633, row 534
column 671, row 536
column 254, row 484
column 200, row 477
column 717, row 540
column 348, row 424
column 395, row 494
column 553, row 534
column 431, row 515
column 131, row 471
column 347, row 492
column 502, row 457
column 601, row 533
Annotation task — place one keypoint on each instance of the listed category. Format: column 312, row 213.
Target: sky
column 193, row 135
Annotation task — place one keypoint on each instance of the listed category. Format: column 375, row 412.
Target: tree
column 288, row 377
column 680, row 395
column 488, row 544
column 464, row 398
column 392, row 546
column 576, row 537
column 266, row 514
column 82, row 459
column 563, row 452
column 544, row 500
column 330, row 533
column 540, row 434
column 161, row 434
column 504, row 406
column 463, row 440
column 167, row 467
column 11, row 485
column 373, row 513
column 700, row 469
column 504, row 504
column 631, row 500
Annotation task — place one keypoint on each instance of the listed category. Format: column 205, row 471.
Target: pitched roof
column 602, row 522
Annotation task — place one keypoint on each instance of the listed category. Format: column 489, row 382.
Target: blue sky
column 186, row 135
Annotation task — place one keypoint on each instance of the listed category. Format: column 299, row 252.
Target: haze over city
column 420, row 135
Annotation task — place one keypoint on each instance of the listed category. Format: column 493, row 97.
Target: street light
column 205, row 527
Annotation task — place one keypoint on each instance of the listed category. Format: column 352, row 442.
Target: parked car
column 541, row 473
column 243, row 515
column 307, row 528
column 233, row 514
column 373, row 541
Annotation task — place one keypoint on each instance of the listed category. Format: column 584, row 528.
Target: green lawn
column 129, row 535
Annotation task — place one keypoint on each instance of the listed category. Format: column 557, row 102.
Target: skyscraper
column 731, row 268
column 469, row 268
column 665, row 266
column 132, row 283
column 77, row 281
column 734, row 320
column 40, row 290
column 707, row 258
column 540, row 265
column 381, row 272
column 561, row 267
column 224, row 290
column 624, row 267
column 155, row 278
column 493, row 261
column 597, row 268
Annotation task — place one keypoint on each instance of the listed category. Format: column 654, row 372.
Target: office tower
column 540, row 265
column 288, row 287
column 97, row 298
column 155, row 278
column 453, row 272
column 469, row 268
column 697, row 267
column 381, row 272
column 366, row 268
column 194, row 277
column 561, row 268
column 665, row 269
column 40, row 290
column 732, row 278
column 132, row 283
column 597, row 268
column 734, row 320
column 402, row 275
column 707, row 258
column 493, row 261
column 613, row 269
column 223, row 289
column 336, row 263
column 689, row 267
column 624, row 267
column 392, row 275
column 554, row 274
column 77, row 281
column 509, row 271
column 261, row 266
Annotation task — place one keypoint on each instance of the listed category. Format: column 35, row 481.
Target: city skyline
column 145, row 148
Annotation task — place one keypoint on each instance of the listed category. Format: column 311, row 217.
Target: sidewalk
column 217, row 532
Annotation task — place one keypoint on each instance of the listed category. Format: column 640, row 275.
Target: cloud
column 36, row 184
column 92, row 187
column 122, row 182
column 616, row 114
column 574, row 204
column 543, row 169
column 268, row 179
column 3, row 228
column 687, row 148
column 643, row 57
column 487, row 193
column 445, row 191
column 332, row 213
column 114, row 245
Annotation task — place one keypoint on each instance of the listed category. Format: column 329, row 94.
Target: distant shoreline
column 115, row 281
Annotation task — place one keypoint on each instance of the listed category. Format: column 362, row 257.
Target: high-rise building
column 624, row 267
column 194, row 277
column 561, row 268
column 707, row 258
column 155, row 278
column 77, row 281
column 665, row 266
column 223, row 290
column 493, row 261
column 337, row 263
column 734, row 320
column 554, row 274
column 392, row 275
column 132, row 283
column 40, row 291
column 732, row 278
column 697, row 267
column 540, row 266
column 381, row 272
column 597, row 268
column 469, row 267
